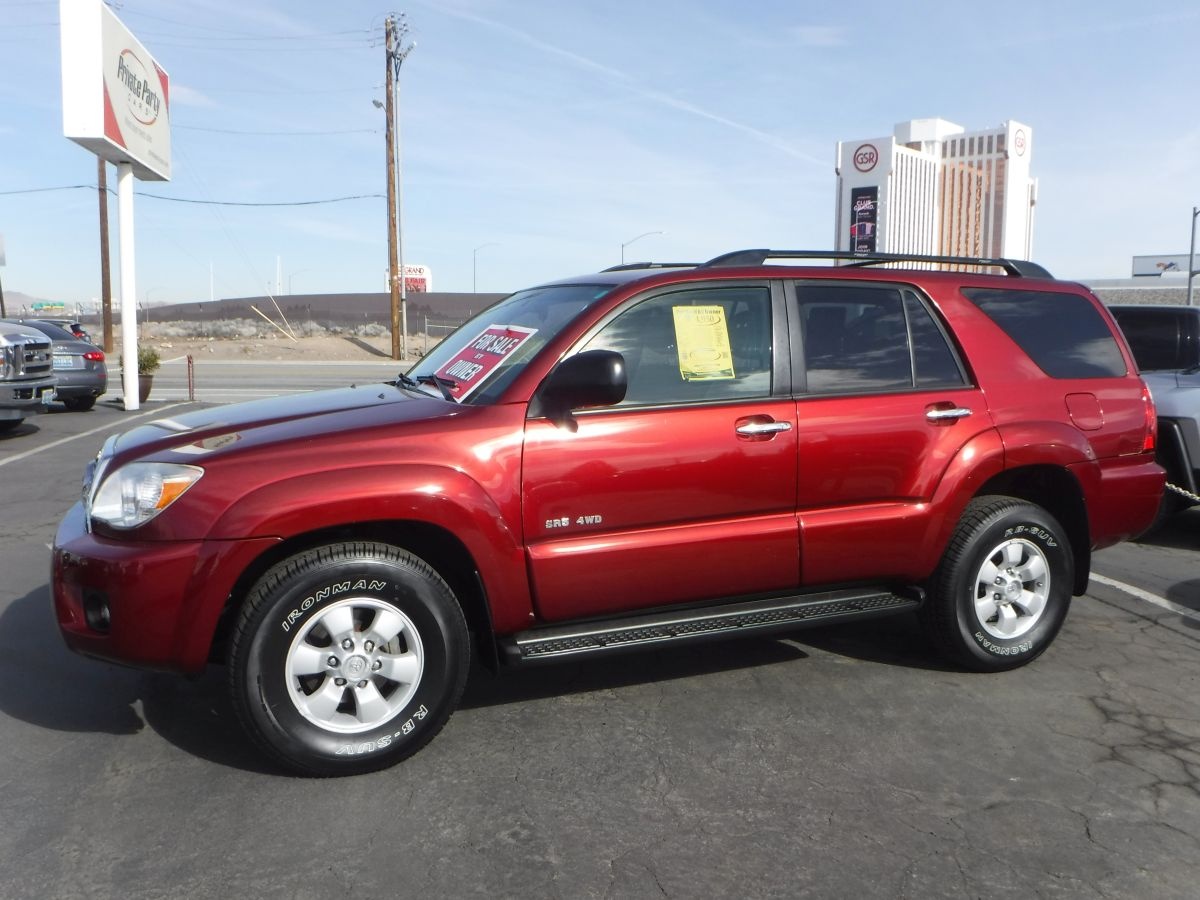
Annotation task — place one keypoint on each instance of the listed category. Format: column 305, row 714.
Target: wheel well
column 1056, row 491
column 438, row 547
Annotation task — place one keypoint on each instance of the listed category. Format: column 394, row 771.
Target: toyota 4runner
column 648, row 455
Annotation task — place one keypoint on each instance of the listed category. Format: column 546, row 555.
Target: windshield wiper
column 442, row 384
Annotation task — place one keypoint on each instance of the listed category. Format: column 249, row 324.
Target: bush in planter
column 148, row 360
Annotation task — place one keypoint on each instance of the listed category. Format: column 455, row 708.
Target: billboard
column 417, row 279
column 116, row 97
column 1160, row 265
column 864, row 218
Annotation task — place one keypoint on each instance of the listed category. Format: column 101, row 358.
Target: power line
column 276, row 133
column 92, row 187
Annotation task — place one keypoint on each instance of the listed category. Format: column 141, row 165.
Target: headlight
column 136, row 493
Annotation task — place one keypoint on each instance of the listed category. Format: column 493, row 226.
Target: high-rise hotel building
column 933, row 188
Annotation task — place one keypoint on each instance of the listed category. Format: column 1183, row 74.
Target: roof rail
column 629, row 267
column 1015, row 268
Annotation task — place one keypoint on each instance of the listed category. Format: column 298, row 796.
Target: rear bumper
column 1125, row 501
column 140, row 603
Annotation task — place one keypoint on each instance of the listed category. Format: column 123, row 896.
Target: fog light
column 95, row 612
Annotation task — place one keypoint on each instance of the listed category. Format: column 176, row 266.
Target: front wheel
column 348, row 658
column 1003, row 588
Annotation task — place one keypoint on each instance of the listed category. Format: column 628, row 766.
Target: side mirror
column 591, row 378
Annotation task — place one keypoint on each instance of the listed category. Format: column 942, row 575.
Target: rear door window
column 1063, row 333
column 861, row 339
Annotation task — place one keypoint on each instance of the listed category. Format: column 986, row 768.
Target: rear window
column 1063, row 333
column 1160, row 339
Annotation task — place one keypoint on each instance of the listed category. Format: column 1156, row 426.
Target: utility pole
column 395, row 30
column 1192, row 273
column 389, row 32
column 105, row 279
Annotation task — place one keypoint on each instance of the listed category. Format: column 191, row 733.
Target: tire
column 1003, row 587
column 79, row 404
column 7, row 425
column 347, row 658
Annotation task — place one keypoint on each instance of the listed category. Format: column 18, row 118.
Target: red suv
column 641, row 456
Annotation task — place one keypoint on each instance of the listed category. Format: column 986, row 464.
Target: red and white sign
column 866, row 157
column 1019, row 142
column 116, row 97
column 472, row 365
column 417, row 279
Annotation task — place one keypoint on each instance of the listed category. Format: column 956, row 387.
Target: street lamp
column 146, row 302
column 1192, row 273
column 638, row 238
column 474, row 254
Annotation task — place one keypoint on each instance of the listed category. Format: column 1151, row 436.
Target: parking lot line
column 1162, row 602
column 75, row 437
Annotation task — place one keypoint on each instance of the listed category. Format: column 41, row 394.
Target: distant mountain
column 17, row 304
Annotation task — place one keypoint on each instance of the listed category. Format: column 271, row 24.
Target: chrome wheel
column 355, row 665
column 1011, row 589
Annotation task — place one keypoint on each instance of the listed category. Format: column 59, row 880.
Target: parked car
column 72, row 326
column 1165, row 341
column 26, row 374
column 623, row 460
column 80, row 366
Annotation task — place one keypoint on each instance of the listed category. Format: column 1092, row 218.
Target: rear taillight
column 94, row 355
column 1150, row 441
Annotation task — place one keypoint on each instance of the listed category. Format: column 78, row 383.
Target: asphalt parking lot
column 843, row 761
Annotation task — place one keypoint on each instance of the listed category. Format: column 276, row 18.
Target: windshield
column 483, row 356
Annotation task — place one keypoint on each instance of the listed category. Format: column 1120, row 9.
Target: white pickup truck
column 26, row 373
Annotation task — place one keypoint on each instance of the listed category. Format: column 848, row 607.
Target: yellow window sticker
column 702, row 337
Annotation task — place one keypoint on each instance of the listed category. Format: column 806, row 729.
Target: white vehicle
column 26, row 373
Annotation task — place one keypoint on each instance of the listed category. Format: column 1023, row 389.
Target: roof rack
column 1015, row 268
column 629, row 267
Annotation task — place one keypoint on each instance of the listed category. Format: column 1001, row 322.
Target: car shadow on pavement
column 890, row 641
column 76, row 694
column 606, row 672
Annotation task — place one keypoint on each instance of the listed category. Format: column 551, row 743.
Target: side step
column 754, row 617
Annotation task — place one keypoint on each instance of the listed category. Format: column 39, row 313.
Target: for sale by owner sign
column 471, row 366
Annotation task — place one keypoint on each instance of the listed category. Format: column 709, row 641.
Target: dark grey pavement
column 840, row 762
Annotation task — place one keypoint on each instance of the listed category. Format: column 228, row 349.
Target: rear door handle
column 942, row 415
column 755, row 429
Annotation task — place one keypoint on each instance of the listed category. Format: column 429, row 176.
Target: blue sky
column 546, row 134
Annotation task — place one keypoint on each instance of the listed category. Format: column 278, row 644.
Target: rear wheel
column 348, row 658
column 79, row 404
column 1003, row 588
column 9, row 424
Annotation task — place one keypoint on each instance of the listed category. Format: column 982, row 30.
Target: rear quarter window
column 1063, row 333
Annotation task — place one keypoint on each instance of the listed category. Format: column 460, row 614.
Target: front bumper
column 19, row 399
column 143, row 603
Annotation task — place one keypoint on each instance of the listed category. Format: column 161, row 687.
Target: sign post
column 116, row 103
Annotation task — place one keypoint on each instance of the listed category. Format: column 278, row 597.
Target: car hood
column 294, row 417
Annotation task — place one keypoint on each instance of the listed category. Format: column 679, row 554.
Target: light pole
column 1192, row 273
column 474, row 255
column 146, row 302
column 638, row 238
column 395, row 30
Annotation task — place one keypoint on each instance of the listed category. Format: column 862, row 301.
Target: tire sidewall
column 1029, row 524
column 293, row 605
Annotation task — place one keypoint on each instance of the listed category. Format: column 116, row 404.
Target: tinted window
column 1063, row 333
column 694, row 345
column 51, row 331
column 859, row 339
column 1159, row 338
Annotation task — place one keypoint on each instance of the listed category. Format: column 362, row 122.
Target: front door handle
column 757, row 429
column 942, row 415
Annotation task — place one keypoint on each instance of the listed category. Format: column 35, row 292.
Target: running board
column 754, row 617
